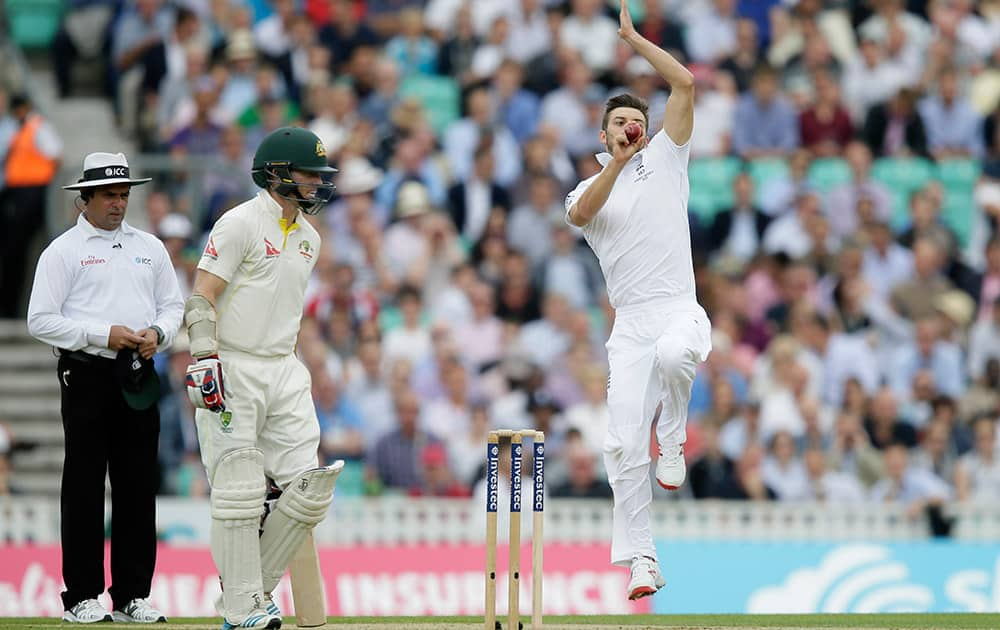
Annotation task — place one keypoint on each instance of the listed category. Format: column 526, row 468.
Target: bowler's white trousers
column 653, row 352
column 270, row 399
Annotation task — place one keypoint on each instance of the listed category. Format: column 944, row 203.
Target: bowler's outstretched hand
column 625, row 26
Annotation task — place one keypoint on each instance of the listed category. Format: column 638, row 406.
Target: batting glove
column 204, row 384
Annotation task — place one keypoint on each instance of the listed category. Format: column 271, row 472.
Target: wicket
column 514, row 541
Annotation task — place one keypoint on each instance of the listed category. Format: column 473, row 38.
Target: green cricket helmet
column 290, row 149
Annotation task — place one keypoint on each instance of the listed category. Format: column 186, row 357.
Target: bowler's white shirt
column 641, row 234
column 88, row 280
column 267, row 268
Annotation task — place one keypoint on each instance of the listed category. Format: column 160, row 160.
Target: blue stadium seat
column 902, row 177
column 712, row 185
column 351, row 482
column 959, row 176
column 766, row 169
column 828, row 173
column 440, row 97
column 33, row 23
column 958, row 212
column 959, row 173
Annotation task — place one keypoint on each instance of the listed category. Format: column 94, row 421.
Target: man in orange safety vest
column 31, row 163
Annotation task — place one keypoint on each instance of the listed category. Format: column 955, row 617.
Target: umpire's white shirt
column 89, row 279
column 267, row 266
column 641, row 234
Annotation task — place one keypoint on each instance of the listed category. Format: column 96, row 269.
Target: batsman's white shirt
column 268, row 391
column 267, row 267
column 642, row 239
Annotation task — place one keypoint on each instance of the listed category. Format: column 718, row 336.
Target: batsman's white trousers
column 653, row 352
column 272, row 408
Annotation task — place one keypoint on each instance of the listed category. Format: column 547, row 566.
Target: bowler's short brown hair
column 625, row 100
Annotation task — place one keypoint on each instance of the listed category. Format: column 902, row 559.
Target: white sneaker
column 270, row 607
column 87, row 611
column 138, row 611
column 256, row 618
column 646, row 578
column 670, row 467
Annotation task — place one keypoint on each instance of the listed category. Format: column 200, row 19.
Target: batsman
column 255, row 416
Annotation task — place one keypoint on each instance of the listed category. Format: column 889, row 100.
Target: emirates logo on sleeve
column 210, row 250
column 270, row 250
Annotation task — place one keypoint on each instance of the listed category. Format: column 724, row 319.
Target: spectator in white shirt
column 782, row 470
column 844, row 357
column 887, row 264
column 546, row 338
column 977, row 473
column 367, row 385
column 530, row 226
column 410, row 341
column 954, row 128
column 449, row 415
column 590, row 416
column 828, row 485
column 463, row 137
column 565, row 108
column 272, row 34
column 984, row 342
column 529, row 36
column 405, row 240
column 870, row 79
column 336, row 116
column 913, row 487
column 789, row 233
column 714, row 104
column 928, row 351
column 570, row 270
column 711, row 36
column 492, row 51
column 592, row 34
column 892, row 14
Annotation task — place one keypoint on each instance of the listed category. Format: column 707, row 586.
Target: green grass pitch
column 624, row 622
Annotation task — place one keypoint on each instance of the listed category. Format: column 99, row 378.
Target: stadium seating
column 33, row 23
column 712, row 184
column 439, row 96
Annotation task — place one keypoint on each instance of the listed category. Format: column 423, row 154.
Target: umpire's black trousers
column 104, row 435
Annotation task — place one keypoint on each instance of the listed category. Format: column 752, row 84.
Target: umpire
column 106, row 296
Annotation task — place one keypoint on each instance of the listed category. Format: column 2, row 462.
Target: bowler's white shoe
column 646, row 578
column 138, row 611
column 256, row 618
column 87, row 611
column 670, row 467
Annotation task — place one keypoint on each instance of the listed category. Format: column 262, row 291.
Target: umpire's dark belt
column 84, row 357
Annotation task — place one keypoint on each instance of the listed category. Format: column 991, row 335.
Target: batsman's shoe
column 646, row 578
column 138, row 611
column 670, row 467
column 270, row 607
column 87, row 611
column 257, row 618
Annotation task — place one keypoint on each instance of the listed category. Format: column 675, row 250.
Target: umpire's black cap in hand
column 138, row 380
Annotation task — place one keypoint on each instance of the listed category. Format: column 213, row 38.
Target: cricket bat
column 308, row 589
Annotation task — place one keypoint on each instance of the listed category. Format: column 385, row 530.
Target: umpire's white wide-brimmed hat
column 105, row 169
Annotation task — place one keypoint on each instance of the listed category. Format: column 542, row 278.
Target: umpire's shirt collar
column 89, row 231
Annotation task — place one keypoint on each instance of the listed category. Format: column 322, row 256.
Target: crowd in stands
column 845, row 192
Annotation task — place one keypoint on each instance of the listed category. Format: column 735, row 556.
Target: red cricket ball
column 632, row 131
